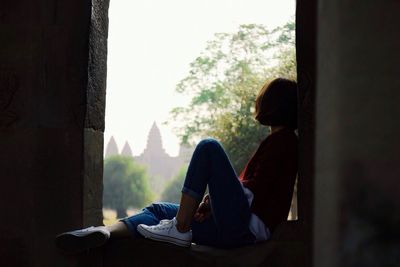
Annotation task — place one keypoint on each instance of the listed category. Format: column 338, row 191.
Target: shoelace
column 164, row 224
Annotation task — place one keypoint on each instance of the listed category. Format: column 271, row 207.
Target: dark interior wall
column 51, row 124
column 306, row 14
column 358, row 150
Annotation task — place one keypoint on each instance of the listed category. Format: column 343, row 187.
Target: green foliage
column 125, row 185
column 223, row 83
column 172, row 192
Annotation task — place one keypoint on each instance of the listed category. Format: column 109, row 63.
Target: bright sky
column 150, row 46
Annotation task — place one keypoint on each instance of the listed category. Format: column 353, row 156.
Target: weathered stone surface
column 141, row 252
column 283, row 250
column 357, row 151
column 9, row 86
column 41, row 192
column 51, row 166
column 306, row 14
column 97, row 71
column 93, row 178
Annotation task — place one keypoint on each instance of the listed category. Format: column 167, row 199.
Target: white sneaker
column 166, row 231
column 82, row 239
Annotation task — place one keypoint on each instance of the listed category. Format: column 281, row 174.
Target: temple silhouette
column 160, row 165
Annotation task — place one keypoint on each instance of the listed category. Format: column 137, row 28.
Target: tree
column 223, row 82
column 125, row 185
column 172, row 192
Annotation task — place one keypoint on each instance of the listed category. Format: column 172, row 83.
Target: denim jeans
column 229, row 224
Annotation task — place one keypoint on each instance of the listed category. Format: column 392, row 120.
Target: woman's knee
column 162, row 210
column 154, row 208
column 210, row 143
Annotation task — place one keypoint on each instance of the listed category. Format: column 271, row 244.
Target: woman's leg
column 231, row 213
column 118, row 230
column 150, row 215
column 83, row 239
column 187, row 208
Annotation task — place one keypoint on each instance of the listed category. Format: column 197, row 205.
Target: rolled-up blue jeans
column 228, row 226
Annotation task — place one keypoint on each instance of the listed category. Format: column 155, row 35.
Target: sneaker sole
column 163, row 238
column 70, row 243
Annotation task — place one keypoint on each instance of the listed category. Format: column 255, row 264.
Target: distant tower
column 112, row 148
column 154, row 154
column 161, row 167
column 154, row 142
column 127, row 151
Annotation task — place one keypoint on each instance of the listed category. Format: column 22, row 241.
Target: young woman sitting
column 237, row 211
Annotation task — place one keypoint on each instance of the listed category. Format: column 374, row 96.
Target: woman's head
column 276, row 103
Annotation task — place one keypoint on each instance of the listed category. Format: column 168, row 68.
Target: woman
column 238, row 210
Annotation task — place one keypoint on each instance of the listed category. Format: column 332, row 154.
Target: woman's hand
column 204, row 210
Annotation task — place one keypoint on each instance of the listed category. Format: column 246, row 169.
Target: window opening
column 179, row 71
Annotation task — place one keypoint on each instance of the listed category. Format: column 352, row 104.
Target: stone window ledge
column 281, row 251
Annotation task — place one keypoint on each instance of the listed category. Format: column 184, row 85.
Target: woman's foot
column 83, row 239
column 166, row 231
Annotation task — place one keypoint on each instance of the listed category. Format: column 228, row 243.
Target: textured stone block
column 51, row 165
column 357, row 149
column 141, row 252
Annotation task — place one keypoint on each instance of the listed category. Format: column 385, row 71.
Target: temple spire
column 154, row 141
column 112, row 148
column 127, row 151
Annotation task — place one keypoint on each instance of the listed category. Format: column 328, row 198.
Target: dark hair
column 276, row 103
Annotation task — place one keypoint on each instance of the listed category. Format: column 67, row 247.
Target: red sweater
column 270, row 175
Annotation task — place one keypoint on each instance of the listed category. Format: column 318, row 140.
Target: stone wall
column 357, row 187
column 306, row 15
column 52, row 85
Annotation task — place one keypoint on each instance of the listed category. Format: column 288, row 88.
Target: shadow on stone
column 281, row 251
